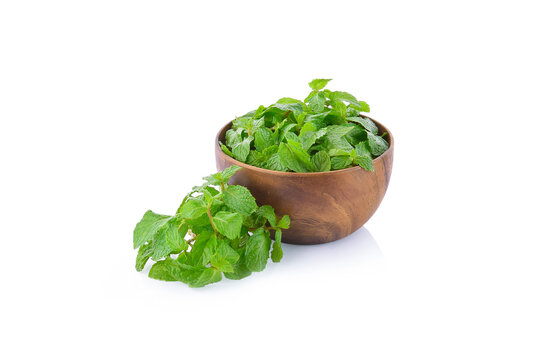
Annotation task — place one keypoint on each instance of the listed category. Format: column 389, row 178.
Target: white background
column 110, row 108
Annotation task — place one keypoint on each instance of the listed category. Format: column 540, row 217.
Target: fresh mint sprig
column 324, row 132
column 218, row 230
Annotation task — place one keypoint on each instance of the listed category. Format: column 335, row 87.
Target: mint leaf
column 203, row 248
column 321, row 161
column 241, row 149
column 293, row 156
column 193, row 208
column 257, row 250
column 144, row 254
column 147, row 227
column 169, row 239
column 307, row 127
column 284, row 223
column 377, row 144
column 287, row 100
column 365, row 122
column 239, row 199
column 224, row 258
column 264, row 138
column 284, row 130
column 228, row 223
column 335, row 135
column 240, row 268
column 274, row 163
column 225, row 251
column 340, row 162
column 221, row 264
column 277, row 251
column 364, row 107
column 364, row 162
column 167, row 270
column 219, row 178
column 200, row 276
column 295, row 108
column 233, row 137
column 267, row 213
column 318, row 84
column 307, row 139
column 226, row 150
column 344, row 96
column 316, row 102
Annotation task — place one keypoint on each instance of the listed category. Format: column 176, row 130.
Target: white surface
column 110, row 108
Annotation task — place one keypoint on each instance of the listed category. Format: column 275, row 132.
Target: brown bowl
column 323, row 206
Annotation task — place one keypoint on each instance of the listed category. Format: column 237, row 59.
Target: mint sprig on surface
column 217, row 230
column 324, row 132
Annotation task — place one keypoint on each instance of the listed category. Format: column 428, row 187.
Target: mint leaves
column 217, row 230
column 324, row 132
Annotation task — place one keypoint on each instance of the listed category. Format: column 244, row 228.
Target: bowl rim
column 381, row 127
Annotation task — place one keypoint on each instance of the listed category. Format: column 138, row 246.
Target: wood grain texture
column 323, row 206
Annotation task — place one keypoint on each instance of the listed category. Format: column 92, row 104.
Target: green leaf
column 221, row 264
column 344, row 96
column 260, row 159
column 339, row 108
column 224, row 258
column 364, row 162
column 170, row 238
column 218, row 179
column 277, row 251
column 284, row 223
column 144, row 254
column 339, row 152
column 308, row 127
column 335, row 135
column 227, row 173
column 318, row 84
column 284, row 130
column 377, row 144
column 228, row 223
column 293, row 156
column 264, row 138
column 274, row 163
column 167, row 270
column 203, row 248
column 257, row 250
column 193, row 208
column 365, row 122
column 200, row 276
column 233, row 137
column 295, row 108
column 267, row 213
column 364, row 107
column 316, row 102
column 147, row 227
column 241, row 150
column 308, row 138
column 321, row 161
column 239, row 199
column 287, row 100
column 240, row 268
column 176, row 239
column 340, row 162
column 225, row 251
column 225, row 149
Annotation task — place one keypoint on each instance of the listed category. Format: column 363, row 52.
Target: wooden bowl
column 323, row 206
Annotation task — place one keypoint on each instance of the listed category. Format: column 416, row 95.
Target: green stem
column 211, row 220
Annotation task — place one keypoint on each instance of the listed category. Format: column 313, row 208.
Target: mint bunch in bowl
column 326, row 131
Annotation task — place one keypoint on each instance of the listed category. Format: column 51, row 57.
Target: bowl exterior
column 324, row 206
